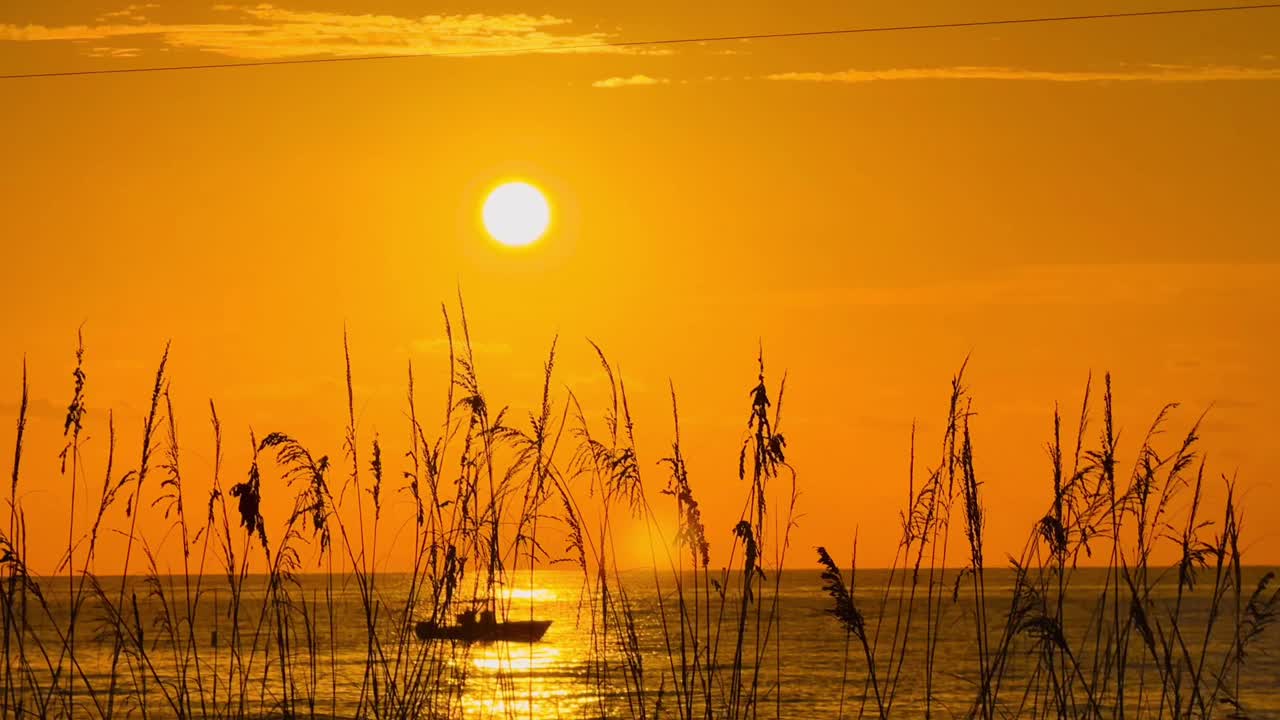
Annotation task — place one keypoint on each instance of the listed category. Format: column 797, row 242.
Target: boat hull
column 517, row 631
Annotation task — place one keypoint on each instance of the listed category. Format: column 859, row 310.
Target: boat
column 486, row 629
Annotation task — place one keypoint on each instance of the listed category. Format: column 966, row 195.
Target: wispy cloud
column 1146, row 73
column 617, row 82
column 1085, row 285
column 442, row 346
column 132, row 13
column 261, row 32
column 114, row 52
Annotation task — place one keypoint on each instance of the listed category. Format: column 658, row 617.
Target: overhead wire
column 603, row 45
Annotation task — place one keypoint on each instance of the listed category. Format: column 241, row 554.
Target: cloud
column 1146, row 73
column 263, row 32
column 132, row 13
column 617, row 82
column 114, row 52
column 441, row 346
column 37, row 407
column 1086, row 285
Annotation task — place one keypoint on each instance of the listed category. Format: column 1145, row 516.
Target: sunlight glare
column 522, row 659
column 516, row 214
column 538, row 594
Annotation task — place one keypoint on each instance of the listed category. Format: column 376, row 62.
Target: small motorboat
column 484, row 630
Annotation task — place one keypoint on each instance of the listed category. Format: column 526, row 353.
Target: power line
column 656, row 42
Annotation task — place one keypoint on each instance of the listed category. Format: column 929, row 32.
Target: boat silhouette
column 485, row 629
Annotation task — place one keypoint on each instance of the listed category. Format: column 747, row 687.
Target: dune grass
column 1130, row 651
column 487, row 492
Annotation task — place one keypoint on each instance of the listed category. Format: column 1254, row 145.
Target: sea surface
column 812, row 668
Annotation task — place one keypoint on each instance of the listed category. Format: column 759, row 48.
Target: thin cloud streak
column 1107, row 285
column 1147, row 73
column 617, row 82
column 442, row 346
column 265, row 32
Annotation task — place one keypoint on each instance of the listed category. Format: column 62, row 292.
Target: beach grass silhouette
column 247, row 631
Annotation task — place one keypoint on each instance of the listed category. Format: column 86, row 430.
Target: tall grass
column 1128, row 651
column 235, row 632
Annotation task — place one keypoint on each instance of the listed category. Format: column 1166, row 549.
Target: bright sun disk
column 516, row 214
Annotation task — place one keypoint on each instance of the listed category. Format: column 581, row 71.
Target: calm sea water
column 554, row 678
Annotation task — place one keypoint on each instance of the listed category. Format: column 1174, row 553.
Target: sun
column 516, row 214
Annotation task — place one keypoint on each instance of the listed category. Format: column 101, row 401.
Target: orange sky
column 1053, row 199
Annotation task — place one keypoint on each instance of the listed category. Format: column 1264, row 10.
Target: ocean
column 811, row 667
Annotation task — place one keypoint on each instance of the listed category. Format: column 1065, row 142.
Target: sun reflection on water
column 522, row 680
column 523, row 658
column 539, row 594
column 531, row 681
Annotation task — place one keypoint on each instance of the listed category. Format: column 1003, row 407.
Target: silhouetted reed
column 1134, row 653
column 249, row 639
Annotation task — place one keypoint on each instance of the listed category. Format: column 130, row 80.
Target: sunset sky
column 1050, row 200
